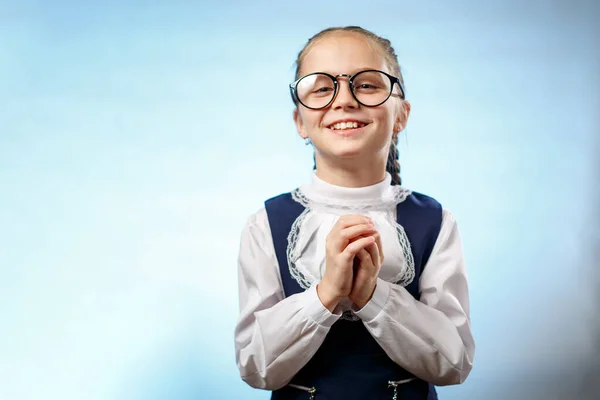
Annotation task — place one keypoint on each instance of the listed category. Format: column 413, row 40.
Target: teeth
column 346, row 125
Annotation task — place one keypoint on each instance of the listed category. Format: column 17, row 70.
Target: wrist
column 329, row 299
column 364, row 296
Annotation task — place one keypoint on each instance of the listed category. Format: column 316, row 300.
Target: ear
column 299, row 124
column 402, row 116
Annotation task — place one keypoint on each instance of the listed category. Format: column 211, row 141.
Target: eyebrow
column 352, row 72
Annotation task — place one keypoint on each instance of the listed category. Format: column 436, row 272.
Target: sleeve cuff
column 377, row 302
column 316, row 311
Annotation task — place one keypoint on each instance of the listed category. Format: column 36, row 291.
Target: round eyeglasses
column 370, row 88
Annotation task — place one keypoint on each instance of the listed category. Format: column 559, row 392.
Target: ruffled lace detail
column 406, row 276
column 395, row 195
column 304, row 278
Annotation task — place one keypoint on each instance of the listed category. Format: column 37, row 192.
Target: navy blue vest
column 350, row 364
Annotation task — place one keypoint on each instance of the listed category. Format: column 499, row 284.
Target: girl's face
column 347, row 54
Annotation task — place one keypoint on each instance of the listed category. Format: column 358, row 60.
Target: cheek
column 311, row 119
column 385, row 120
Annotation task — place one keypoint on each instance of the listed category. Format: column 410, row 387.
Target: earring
column 306, row 141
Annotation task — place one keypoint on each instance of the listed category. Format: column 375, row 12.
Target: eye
column 322, row 90
column 371, row 82
column 366, row 86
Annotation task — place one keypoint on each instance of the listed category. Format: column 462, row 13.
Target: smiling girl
column 352, row 286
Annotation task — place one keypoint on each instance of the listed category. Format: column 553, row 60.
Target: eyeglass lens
column 370, row 88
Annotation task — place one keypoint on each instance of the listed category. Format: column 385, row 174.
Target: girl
column 352, row 286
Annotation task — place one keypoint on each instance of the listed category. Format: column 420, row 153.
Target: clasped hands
column 352, row 262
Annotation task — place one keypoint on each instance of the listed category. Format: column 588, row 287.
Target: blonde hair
column 384, row 46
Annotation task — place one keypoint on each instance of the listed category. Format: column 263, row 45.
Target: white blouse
column 276, row 336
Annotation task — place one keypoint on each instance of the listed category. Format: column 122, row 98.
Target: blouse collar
column 320, row 191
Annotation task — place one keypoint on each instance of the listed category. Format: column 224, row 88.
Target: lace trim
column 398, row 195
column 406, row 276
column 305, row 279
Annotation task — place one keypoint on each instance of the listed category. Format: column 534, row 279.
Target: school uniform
column 413, row 334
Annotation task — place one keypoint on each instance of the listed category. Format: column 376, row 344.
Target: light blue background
column 136, row 139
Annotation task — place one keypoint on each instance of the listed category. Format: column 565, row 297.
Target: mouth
column 346, row 128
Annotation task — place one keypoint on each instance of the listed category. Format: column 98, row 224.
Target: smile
column 346, row 125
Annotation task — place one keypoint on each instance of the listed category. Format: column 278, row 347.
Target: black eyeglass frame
column 393, row 80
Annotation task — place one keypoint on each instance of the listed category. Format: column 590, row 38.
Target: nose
column 344, row 98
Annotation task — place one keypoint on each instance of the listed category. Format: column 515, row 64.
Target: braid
column 393, row 163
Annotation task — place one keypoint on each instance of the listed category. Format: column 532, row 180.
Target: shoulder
column 420, row 206
column 257, row 223
column 424, row 210
column 260, row 215
column 282, row 197
column 428, row 202
column 431, row 206
column 424, row 201
column 283, row 205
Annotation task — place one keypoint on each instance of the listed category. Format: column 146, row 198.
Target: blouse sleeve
column 430, row 338
column 275, row 335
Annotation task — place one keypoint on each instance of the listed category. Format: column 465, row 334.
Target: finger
column 377, row 237
column 364, row 255
column 346, row 221
column 347, row 235
column 373, row 252
column 355, row 231
column 379, row 246
column 353, row 248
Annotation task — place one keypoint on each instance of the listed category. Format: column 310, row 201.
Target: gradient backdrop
column 135, row 140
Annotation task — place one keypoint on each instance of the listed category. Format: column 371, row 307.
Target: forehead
column 342, row 53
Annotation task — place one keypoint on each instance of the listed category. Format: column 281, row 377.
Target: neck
column 351, row 174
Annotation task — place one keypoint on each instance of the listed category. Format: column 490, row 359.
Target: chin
column 347, row 151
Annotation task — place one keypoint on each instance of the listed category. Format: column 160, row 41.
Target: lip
column 347, row 132
column 346, row 120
